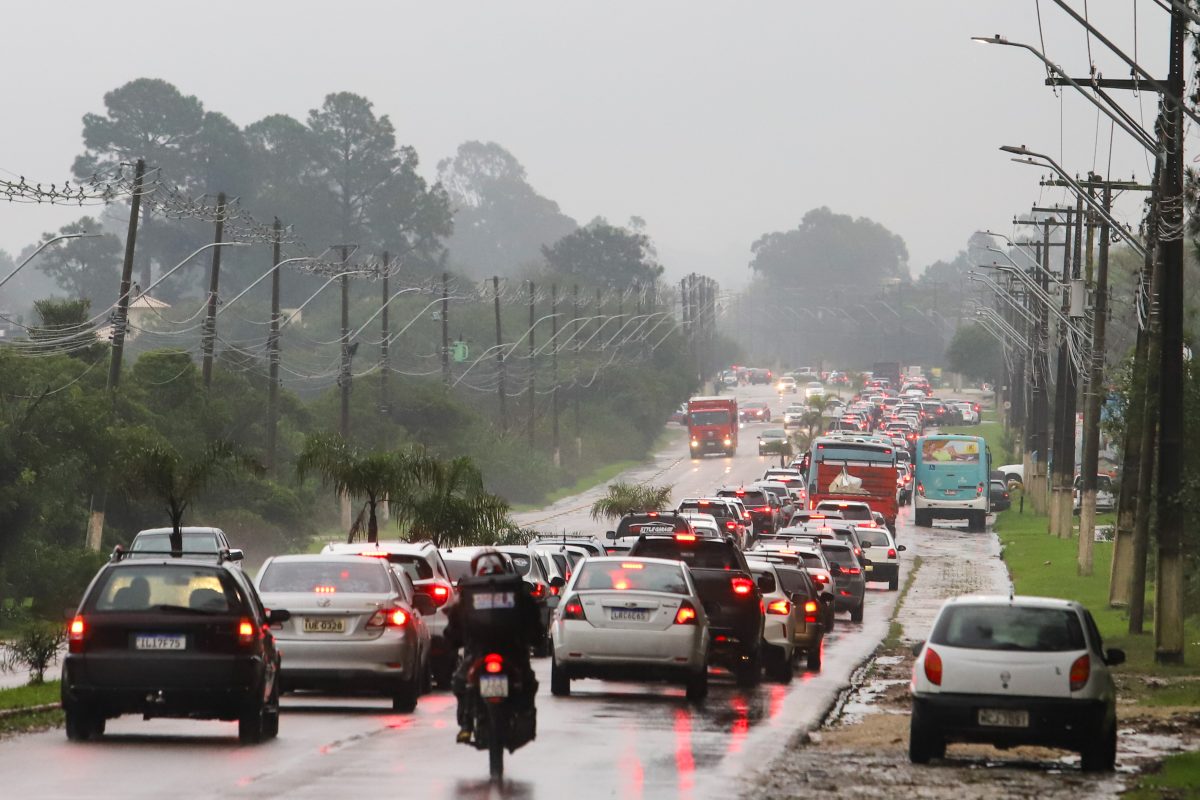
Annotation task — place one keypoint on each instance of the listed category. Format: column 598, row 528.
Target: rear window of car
column 793, row 580
column 876, row 537
column 849, row 512
column 718, row 510
column 521, row 562
column 417, row 568
column 812, row 560
column 325, row 577
column 839, row 555
column 1009, row 627
column 164, row 587
column 631, row 575
column 748, row 497
column 701, row 554
column 161, row 543
column 457, row 569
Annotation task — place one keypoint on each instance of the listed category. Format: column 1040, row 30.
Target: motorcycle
column 502, row 709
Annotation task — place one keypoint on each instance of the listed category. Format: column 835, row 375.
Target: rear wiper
column 184, row 609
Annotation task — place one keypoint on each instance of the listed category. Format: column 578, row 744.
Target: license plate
column 324, row 625
column 493, row 686
column 160, row 641
column 951, row 492
column 486, row 601
column 1002, row 718
column 630, row 615
column 870, row 567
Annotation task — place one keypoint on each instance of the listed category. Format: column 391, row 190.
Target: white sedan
column 631, row 619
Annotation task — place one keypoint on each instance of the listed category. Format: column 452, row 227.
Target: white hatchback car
column 631, row 619
column 1012, row 671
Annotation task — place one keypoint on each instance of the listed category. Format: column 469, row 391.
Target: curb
column 14, row 712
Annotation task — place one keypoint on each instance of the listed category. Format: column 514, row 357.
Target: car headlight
column 695, row 443
column 728, row 441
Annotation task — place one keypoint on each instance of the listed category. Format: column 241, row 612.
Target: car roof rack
column 119, row 553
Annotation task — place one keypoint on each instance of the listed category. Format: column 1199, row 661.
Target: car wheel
column 925, row 742
column 697, row 686
column 404, row 699
column 894, row 584
column 271, row 715
column 1101, row 754
column 779, row 666
column 252, row 724
column 83, row 725
column 813, row 664
column 856, row 613
column 749, row 672
column 560, row 681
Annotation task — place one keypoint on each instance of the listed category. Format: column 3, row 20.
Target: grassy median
column 22, row 697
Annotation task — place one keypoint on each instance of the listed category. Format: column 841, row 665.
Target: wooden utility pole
column 554, row 374
column 344, row 370
column 214, row 283
column 385, row 362
column 273, row 354
column 500, row 391
column 120, row 323
column 575, row 389
column 531, row 382
column 446, row 329
column 1095, row 399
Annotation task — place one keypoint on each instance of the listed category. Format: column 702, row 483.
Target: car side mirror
column 610, row 534
column 557, row 582
column 275, row 616
column 1114, row 656
column 766, row 583
column 237, row 555
column 900, row 548
column 917, row 647
column 424, row 604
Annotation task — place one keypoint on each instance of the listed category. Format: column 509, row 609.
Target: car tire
column 697, row 686
column 894, row 584
column 856, row 613
column 779, row 666
column 82, row 724
column 924, row 740
column 271, row 715
column 252, row 724
column 748, row 673
column 1100, row 755
column 814, row 659
column 560, row 681
column 406, row 694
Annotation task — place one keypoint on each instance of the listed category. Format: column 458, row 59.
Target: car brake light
column 75, row 633
column 686, row 615
column 730, row 524
column 397, row 618
column 1081, row 670
column 933, row 666
column 245, row 632
column 325, row 589
column 979, row 490
column 493, row 663
column 537, row 590
column 440, row 593
column 810, row 611
column 920, row 488
column 779, row 607
column 891, row 552
column 742, row 586
column 851, row 570
column 375, row 553
column 573, row 609
column 633, row 565
column 685, row 537
column 819, row 578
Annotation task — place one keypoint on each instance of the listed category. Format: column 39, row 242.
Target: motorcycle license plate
column 486, row 601
column 493, row 686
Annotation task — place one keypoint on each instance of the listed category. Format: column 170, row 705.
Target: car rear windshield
column 848, row 512
column 418, row 569
column 812, row 560
column 521, row 562
column 839, row 555
column 634, row 526
column 956, row 450
column 164, row 587
column 633, row 575
column 700, row 554
column 1009, row 627
column 794, row 580
column 718, row 510
column 749, row 497
column 328, row 577
column 874, row 537
column 457, row 569
column 161, row 543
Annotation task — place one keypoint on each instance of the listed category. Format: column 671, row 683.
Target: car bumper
column 326, row 664
column 588, row 651
column 1053, row 722
column 221, row 689
column 852, row 598
column 883, row 571
column 778, row 631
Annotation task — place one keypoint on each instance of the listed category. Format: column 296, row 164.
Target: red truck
column 712, row 425
column 845, row 468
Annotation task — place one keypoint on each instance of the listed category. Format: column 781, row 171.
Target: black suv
column 732, row 599
column 647, row 522
column 172, row 637
column 763, row 506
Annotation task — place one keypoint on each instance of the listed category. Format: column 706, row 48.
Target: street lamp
column 43, row 246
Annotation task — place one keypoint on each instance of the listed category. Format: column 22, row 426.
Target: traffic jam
column 752, row 581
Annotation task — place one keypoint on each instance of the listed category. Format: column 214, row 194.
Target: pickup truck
column 732, row 599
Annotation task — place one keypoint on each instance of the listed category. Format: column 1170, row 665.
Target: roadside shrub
column 35, row 647
column 53, row 575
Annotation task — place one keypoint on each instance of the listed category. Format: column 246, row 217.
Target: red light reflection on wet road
column 741, row 723
column 685, row 763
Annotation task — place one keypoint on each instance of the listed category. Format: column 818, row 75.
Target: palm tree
column 373, row 477
column 156, row 470
column 625, row 497
column 448, row 505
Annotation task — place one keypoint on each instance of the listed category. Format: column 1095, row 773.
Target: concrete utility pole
column 554, row 374
column 385, row 363
column 575, row 389
column 531, row 381
column 1169, row 586
column 214, row 283
column 446, row 329
column 344, row 370
column 273, row 354
column 500, row 391
column 1095, row 399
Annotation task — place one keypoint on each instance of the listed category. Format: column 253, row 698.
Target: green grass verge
column 29, row 696
column 1179, row 777
column 992, row 432
column 1047, row 566
column 895, row 629
column 21, row 696
column 602, row 474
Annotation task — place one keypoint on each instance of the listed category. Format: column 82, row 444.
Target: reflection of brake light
column 742, row 586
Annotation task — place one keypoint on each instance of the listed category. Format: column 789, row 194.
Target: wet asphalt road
column 606, row 740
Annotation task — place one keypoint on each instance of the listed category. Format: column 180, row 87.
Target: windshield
column 962, row 451
column 325, row 577
column 634, row 575
column 1007, row 627
column 161, row 543
column 710, row 417
column 840, row 555
column 701, row 554
column 164, row 587
column 793, row 580
column 813, row 560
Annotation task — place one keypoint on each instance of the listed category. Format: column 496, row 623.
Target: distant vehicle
column 1015, row 671
column 679, row 415
column 814, row 389
column 1014, row 475
column 633, row 526
column 759, row 376
column 197, row 543
column 763, row 506
column 754, row 412
column 888, row 371
column 1001, row 501
column 725, row 511
column 852, row 469
column 713, row 425
column 952, row 480
column 884, row 554
column 793, row 415
column 848, row 578
column 1105, row 498
column 786, row 384
column 771, row 440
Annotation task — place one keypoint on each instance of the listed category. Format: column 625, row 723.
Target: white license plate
column 160, row 641
column 951, row 492
column 487, row 601
column 324, row 625
column 1003, row 718
column 493, row 686
column 870, row 567
column 630, row 615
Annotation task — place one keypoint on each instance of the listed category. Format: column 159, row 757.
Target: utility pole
column 214, row 282
column 531, row 381
column 1095, row 399
column 385, row 363
column 1064, row 390
column 446, row 329
column 500, row 356
column 273, row 353
column 554, row 374
column 344, row 371
column 1169, row 586
column 575, row 389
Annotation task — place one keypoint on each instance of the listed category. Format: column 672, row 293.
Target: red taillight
column 75, row 633
column 891, row 552
column 933, row 666
column 730, row 525
column 810, row 611
column 538, row 590
column 245, row 632
column 439, row 593
column 779, row 607
column 819, row 578
column 397, row 618
column 375, row 553
column 1081, row 670
column 685, row 537
column 493, row 663
column 686, row 615
column 851, row 570
column 573, row 609
column 920, row 488
column 633, row 565
column 742, row 586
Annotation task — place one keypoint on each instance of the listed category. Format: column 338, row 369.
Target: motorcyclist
column 507, row 623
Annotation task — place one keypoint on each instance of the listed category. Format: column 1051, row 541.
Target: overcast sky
column 715, row 121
